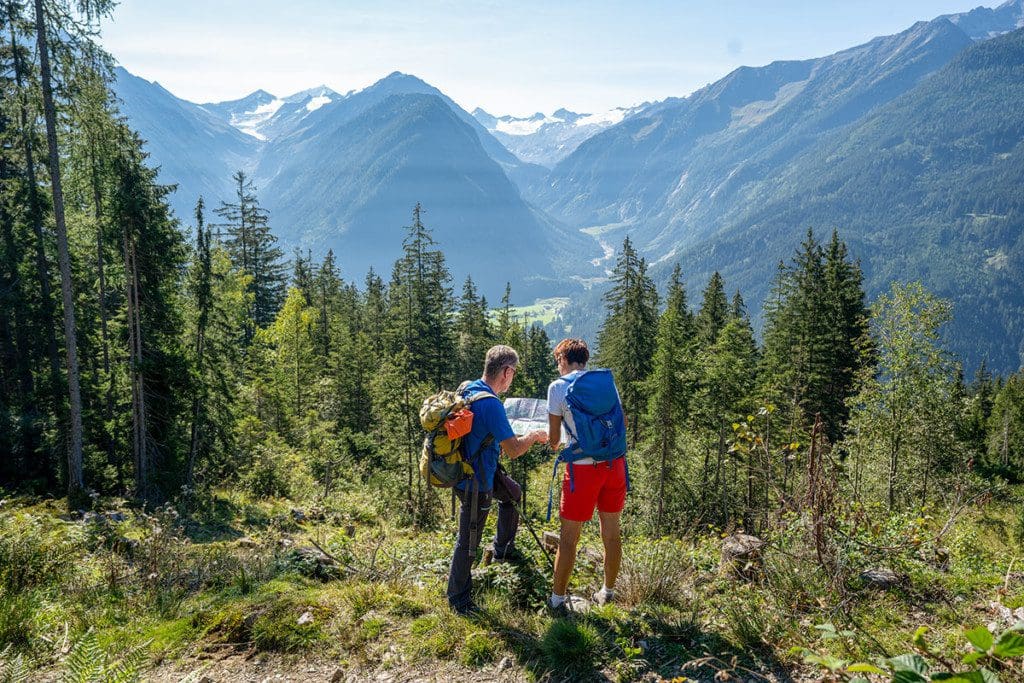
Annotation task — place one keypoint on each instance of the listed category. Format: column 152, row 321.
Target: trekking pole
column 540, row 544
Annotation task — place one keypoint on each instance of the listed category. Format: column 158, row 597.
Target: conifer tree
column 254, row 251
column 713, row 313
column 219, row 303
column 154, row 255
column 474, row 331
column 29, row 195
column 1005, row 454
column 46, row 35
column 728, row 378
column 670, row 389
column 626, row 341
column 815, row 335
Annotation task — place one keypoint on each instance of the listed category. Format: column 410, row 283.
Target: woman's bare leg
column 612, row 538
column 565, row 558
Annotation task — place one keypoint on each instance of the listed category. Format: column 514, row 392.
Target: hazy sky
column 511, row 57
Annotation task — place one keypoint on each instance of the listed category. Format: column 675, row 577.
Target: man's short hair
column 573, row 351
column 498, row 358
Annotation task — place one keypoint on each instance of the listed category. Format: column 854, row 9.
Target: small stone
column 115, row 516
column 306, row 618
column 505, row 663
column 246, row 542
column 880, row 578
column 338, row 676
column 298, row 515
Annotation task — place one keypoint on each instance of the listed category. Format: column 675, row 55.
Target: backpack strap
column 474, row 504
column 474, row 519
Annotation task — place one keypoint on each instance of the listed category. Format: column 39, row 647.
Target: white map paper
column 528, row 415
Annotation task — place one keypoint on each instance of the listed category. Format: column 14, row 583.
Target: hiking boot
column 512, row 556
column 559, row 611
column 469, row 610
column 603, row 598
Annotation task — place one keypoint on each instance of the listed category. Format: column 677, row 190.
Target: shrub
column 654, row 572
column 571, row 648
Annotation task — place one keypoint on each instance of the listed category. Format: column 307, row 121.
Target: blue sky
column 515, row 56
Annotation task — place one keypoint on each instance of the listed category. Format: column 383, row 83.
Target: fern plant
column 13, row 668
column 89, row 663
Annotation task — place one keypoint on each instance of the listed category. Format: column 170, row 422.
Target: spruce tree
column 670, row 389
column 154, row 255
column 254, row 251
column 626, row 341
column 474, row 331
column 713, row 313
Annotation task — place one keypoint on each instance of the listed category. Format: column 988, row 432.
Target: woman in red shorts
column 594, row 484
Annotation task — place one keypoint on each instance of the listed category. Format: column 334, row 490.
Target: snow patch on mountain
column 606, row 118
column 317, row 102
column 513, row 126
column 249, row 122
column 546, row 139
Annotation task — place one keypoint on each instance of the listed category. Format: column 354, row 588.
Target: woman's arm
column 554, row 432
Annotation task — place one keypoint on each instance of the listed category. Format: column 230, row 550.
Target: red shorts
column 602, row 484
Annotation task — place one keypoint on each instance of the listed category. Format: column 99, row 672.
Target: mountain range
column 909, row 145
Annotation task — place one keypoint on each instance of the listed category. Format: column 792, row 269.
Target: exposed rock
column 551, row 540
column 505, row 663
column 306, row 618
column 741, row 556
column 246, row 542
column 883, row 579
column 338, row 676
column 298, row 515
column 311, row 562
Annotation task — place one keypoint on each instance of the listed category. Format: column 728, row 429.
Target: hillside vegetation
column 210, row 453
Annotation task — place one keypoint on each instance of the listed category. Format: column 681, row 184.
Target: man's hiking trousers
column 507, row 492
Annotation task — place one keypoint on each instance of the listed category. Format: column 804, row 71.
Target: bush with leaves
column 989, row 657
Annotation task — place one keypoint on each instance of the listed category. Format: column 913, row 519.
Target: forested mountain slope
column 350, row 183
column 194, row 148
column 928, row 187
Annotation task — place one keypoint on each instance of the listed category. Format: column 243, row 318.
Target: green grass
column 543, row 311
column 681, row 608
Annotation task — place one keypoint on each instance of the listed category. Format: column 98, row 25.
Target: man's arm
column 514, row 446
column 554, row 431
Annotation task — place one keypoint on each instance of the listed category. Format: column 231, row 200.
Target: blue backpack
column 600, row 432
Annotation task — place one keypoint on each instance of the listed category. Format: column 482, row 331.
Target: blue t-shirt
column 488, row 418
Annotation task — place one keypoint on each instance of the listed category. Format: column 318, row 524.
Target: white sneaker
column 603, row 597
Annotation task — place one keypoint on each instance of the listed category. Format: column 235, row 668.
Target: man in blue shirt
column 490, row 435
